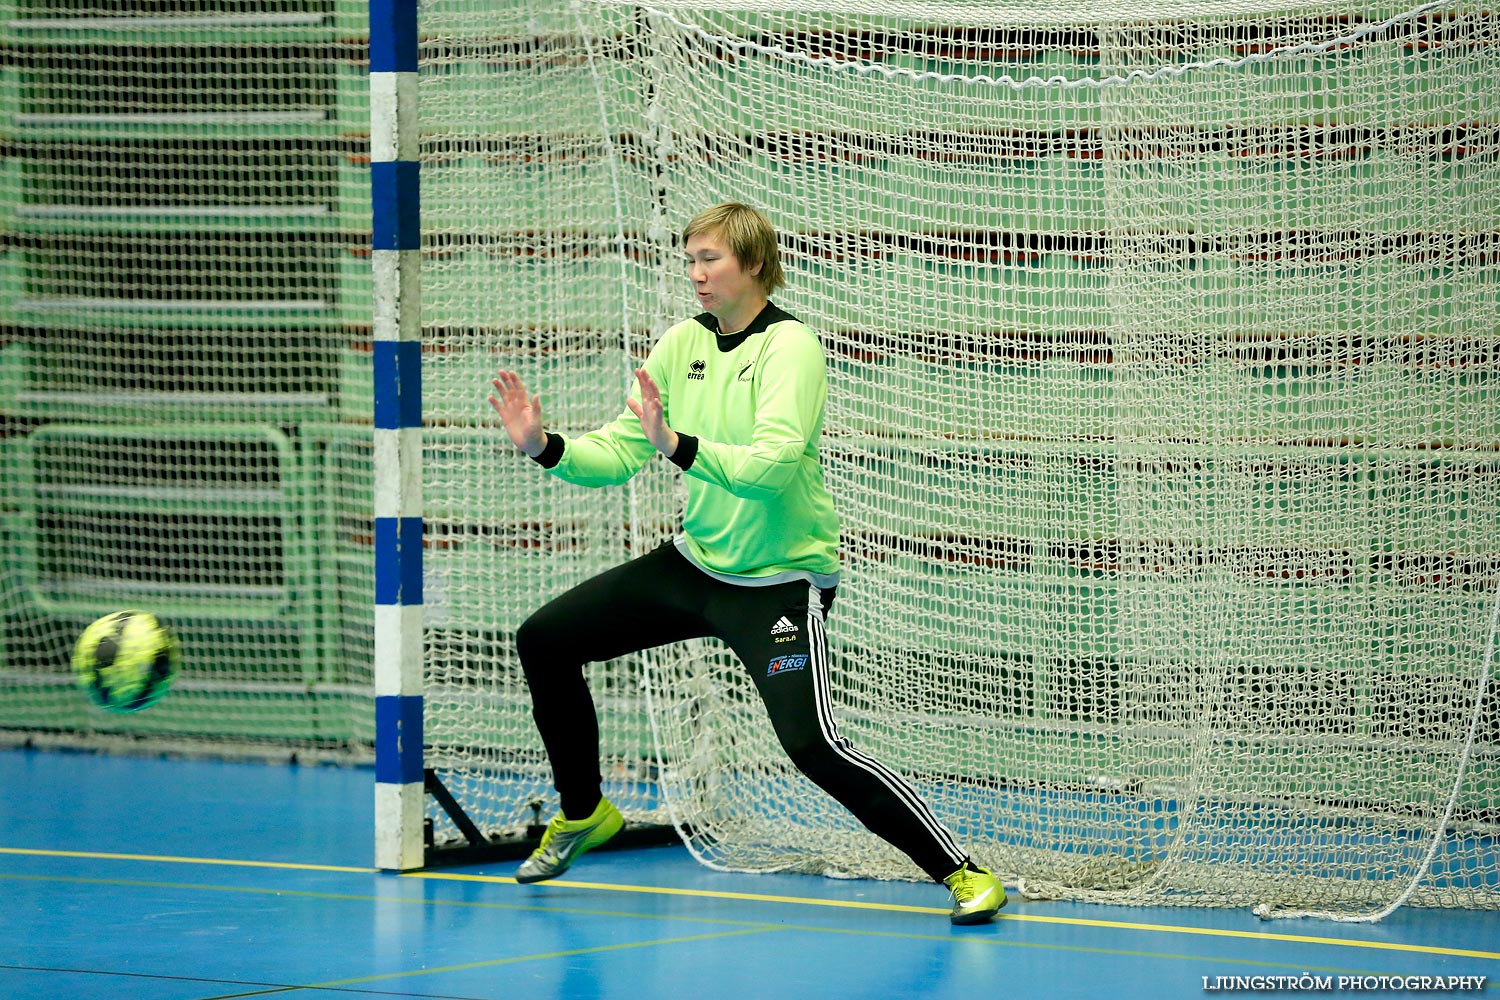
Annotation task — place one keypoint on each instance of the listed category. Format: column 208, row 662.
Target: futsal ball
column 126, row 661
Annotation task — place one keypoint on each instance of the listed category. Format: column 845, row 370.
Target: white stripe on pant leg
column 898, row 786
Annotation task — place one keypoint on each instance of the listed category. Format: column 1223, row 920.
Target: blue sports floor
column 126, row 878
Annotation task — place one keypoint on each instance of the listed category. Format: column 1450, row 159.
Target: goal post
column 1162, row 424
column 397, row 448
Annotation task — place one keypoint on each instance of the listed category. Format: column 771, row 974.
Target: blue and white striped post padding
column 396, row 244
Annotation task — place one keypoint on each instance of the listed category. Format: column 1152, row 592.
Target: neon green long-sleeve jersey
column 748, row 409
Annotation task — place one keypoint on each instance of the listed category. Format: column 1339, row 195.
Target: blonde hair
column 750, row 236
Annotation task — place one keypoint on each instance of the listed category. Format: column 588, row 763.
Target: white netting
column 1162, row 422
column 184, row 289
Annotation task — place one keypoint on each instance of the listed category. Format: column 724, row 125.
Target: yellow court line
column 1022, row 917
column 658, row 890
column 742, row 928
column 513, row 959
column 229, row 862
column 848, row 904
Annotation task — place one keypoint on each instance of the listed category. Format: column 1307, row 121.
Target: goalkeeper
column 734, row 397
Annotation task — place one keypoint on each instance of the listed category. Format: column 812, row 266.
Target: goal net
column 184, row 280
column 1162, row 423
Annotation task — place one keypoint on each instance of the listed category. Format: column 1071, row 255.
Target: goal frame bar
column 396, row 236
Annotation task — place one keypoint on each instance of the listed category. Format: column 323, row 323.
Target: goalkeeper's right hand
column 521, row 415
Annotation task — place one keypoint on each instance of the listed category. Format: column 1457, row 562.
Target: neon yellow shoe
column 977, row 894
column 565, row 840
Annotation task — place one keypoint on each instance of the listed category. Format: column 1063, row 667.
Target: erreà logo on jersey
column 695, row 370
column 792, row 661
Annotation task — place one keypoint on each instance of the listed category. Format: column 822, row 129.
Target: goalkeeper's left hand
column 653, row 419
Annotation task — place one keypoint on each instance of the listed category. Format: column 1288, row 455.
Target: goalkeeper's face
column 722, row 285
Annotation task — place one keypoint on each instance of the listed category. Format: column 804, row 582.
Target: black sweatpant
column 776, row 631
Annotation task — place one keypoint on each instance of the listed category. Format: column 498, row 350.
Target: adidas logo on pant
column 784, row 630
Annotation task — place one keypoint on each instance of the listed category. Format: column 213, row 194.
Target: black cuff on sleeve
column 687, row 450
column 553, row 453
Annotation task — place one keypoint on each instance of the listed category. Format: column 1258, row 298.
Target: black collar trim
column 771, row 313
